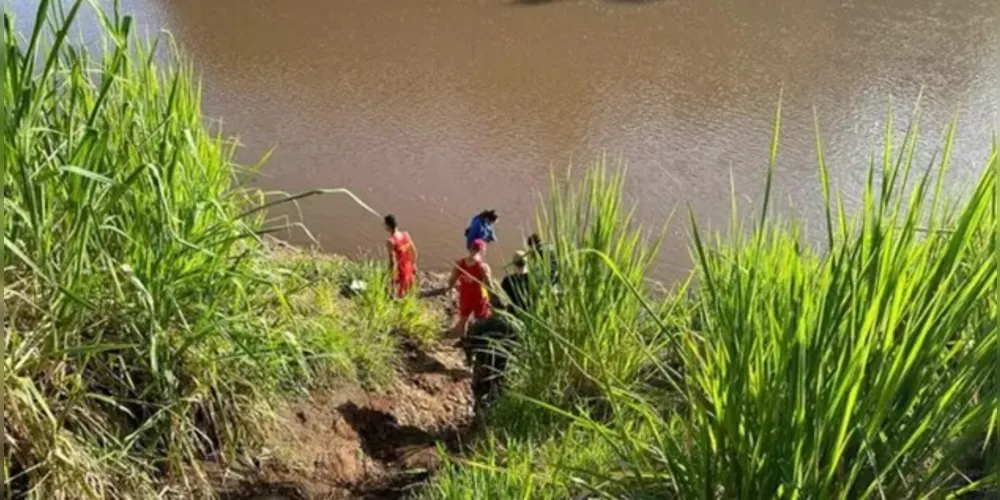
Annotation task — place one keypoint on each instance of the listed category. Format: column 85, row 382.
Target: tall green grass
column 148, row 327
column 354, row 336
column 857, row 371
column 506, row 467
column 861, row 368
column 588, row 328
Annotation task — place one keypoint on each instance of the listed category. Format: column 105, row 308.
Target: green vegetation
column 149, row 326
column 860, row 368
column 578, row 340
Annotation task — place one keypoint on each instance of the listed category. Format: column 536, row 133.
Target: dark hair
column 489, row 215
column 534, row 241
column 390, row 222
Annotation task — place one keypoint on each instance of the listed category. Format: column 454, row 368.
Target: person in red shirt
column 402, row 257
column 472, row 278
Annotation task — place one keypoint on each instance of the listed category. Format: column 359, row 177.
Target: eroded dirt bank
column 351, row 443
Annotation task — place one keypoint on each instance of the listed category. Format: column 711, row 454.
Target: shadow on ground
column 347, row 442
column 418, row 362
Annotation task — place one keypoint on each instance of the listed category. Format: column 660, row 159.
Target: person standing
column 540, row 254
column 472, row 278
column 516, row 285
column 490, row 343
column 482, row 228
column 402, row 257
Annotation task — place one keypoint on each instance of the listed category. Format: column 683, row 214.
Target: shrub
column 148, row 327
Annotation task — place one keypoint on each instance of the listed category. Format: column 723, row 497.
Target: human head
column 490, row 216
column 535, row 241
column 478, row 247
column 520, row 261
column 390, row 223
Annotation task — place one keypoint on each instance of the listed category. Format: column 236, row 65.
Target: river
column 435, row 109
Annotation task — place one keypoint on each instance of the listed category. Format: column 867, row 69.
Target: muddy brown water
column 434, row 109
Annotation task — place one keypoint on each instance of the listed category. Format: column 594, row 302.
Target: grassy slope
column 862, row 368
column 148, row 324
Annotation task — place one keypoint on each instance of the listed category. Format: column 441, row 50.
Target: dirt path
column 350, row 443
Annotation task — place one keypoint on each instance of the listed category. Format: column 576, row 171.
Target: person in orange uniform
column 472, row 277
column 402, row 257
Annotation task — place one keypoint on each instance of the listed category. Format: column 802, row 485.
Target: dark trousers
column 487, row 351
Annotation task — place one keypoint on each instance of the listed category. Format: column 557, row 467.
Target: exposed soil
column 351, row 443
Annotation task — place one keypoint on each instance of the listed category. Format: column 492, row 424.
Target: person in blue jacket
column 481, row 228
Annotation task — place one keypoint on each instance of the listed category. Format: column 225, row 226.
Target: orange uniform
column 473, row 298
column 404, row 274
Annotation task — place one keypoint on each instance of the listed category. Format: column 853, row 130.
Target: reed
column 862, row 368
column 148, row 326
column 522, row 468
column 588, row 328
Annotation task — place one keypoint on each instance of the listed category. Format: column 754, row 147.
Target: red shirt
column 402, row 251
column 471, row 282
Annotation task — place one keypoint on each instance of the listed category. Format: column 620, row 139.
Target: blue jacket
column 479, row 230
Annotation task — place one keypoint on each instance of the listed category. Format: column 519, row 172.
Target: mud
column 347, row 442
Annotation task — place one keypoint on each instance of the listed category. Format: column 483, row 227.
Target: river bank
column 158, row 343
column 350, row 440
column 152, row 330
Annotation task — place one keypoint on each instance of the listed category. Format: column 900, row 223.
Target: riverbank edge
column 351, row 439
